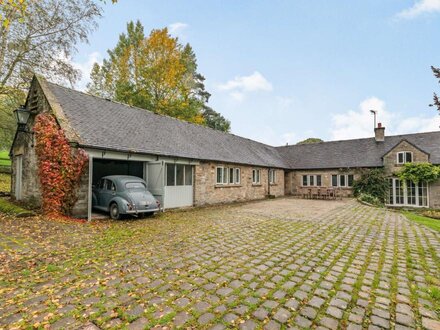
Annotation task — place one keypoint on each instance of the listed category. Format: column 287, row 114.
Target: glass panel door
column 399, row 192
column 411, row 193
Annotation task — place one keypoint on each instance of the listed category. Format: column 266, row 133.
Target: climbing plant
column 419, row 172
column 372, row 182
column 59, row 166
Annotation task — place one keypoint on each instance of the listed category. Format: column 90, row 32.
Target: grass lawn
column 428, row 222
column 4, row 158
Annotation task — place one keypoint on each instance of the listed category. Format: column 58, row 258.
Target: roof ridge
column 358, row 139
column 157, row 114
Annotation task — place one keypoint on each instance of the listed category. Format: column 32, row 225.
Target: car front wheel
column 114, row 212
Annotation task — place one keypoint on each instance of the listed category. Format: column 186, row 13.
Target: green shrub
column 372, row 182
column 370, row 199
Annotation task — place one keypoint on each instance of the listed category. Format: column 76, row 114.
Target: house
column 186, row 164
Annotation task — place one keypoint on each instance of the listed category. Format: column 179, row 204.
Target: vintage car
column 123, row 194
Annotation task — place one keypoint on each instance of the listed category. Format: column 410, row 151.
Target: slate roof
column 356, row 153
column 100, row 123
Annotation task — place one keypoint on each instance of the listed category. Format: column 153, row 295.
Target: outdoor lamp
column 22, row 116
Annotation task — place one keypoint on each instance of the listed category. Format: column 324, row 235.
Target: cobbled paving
column 348, row 267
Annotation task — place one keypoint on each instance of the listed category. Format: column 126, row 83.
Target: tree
column 39, row 37
column 436, row 103
column 310, row 140
column 156, row 73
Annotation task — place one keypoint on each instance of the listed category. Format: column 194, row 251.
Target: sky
column 284, row 71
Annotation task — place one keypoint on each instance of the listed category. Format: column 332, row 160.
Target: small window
column 304, row 180
column 404, row 157
column 171, row 175
column 334, row 180
column 231, row 175
column 179, row 174
column 256, row 176
column 188, row 175
column 318, row 180
column 272, row 176
column 219, row 175
column 135, row 185
column 350, row 180
column 311, row 180
column 237, row 175
column 342, row 181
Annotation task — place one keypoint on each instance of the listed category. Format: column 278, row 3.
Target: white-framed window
column 228, row 175
column 179, row 175
column 342, row 180
column 272, row 176
column 403, row 157
column 256, row 176
column 237, row 176
column 312, row 180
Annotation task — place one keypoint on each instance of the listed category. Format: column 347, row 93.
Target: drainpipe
column 268, row 182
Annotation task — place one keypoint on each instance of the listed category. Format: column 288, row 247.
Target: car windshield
column 135, row 185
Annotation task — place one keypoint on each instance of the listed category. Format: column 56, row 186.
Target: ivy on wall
column 419, row 172
column 59, row 166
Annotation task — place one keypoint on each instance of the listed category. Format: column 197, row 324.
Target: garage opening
column 104, row 167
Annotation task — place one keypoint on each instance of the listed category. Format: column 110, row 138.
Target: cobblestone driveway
column 275, row 264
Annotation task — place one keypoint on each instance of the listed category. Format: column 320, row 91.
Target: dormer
column 402, row 153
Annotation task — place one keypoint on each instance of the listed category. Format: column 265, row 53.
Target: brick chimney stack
column 379, row 133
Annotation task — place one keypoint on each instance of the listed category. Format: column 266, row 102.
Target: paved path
column 275, row 264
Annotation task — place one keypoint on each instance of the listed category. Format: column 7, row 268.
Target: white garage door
column 179, row 188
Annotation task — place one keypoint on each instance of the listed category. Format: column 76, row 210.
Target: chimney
column 379, row 133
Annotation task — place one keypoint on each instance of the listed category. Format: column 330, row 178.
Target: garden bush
column 370, row 199
column 372, row 182
column 435, row 214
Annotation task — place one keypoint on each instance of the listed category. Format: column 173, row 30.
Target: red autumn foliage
column 59, row 166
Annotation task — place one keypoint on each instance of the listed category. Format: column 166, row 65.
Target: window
column 272, row 176
column 312, row 180
column 334, row 180
column 135, row 185
column 342, row 180
column 255, row 176
column 231, row 175
column 220, row 171
column 404, row 157
column 178, row 175
column 237, row 175
column 318, row 180
column 228, row 175
column 408, row 193
column 188, row 175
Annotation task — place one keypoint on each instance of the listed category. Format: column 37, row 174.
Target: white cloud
column 240, row 85
column 358, row 124
column 177, row 28
column 419, row 8
column 85, row 68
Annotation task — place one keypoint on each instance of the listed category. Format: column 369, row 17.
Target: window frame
column 312, row 178
column 174, row 165
column 404, row 157
column 256, row 176
column 346, row 180
column 272, row 176
column 230, row 176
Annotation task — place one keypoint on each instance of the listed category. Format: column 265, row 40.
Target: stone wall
column 390, row 159
column 295, row 187
column 434, row 195
column 207, row 191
